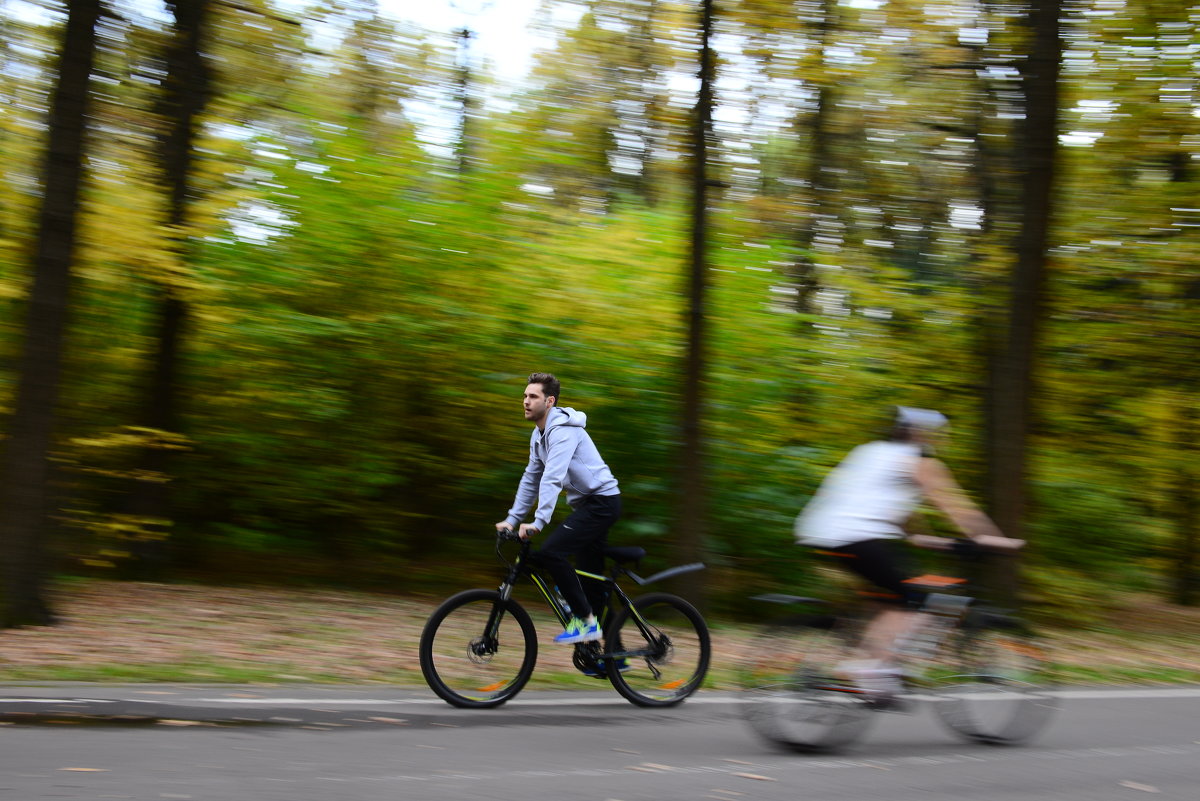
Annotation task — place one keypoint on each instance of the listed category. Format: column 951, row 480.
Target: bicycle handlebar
column 967, row 549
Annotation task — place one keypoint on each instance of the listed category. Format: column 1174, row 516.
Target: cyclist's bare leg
column 885, row 631
column 876, row 667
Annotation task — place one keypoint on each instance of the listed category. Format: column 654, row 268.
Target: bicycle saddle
column 624, row 553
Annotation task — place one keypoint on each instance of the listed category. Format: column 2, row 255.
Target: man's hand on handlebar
column 526, row 531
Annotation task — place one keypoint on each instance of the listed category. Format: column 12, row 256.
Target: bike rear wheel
column 657, row 655
column 1000, row 687
column 476, row 650
column 793, row 697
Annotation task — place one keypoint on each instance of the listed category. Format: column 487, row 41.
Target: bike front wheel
column 794, row 697
column 477, row 650
column 999, row 690
column 658, row 650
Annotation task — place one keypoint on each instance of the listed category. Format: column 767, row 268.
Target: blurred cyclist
column 858, row 514
column 563, row 456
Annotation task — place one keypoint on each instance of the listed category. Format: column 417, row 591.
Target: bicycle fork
column 489, row 643
column 657, row 642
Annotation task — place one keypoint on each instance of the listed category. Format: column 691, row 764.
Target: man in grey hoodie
column 563, row 456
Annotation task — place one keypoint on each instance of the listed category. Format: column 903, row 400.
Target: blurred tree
column 1014, row 391
column 601, row 109
column 26, row 60
column 351, row 319
column 187, row 87
column 139, row 268
column 467, row 101
column 384, row 65
column 1123, row 363
column 25, row 472
column 694, row 500
column 360, row 313
column 792, row 44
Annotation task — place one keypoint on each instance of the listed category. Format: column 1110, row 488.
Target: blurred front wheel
column 478, row 651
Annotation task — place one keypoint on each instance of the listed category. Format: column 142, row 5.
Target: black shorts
column 881, row 562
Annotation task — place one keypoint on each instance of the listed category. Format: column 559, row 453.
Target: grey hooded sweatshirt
column 562, row 456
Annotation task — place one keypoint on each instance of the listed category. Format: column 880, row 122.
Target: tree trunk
column 693, row 516
column 1015, row 371
column 465, row 92
column 25, row 469
column 1014, row 374
column 1187, row 557
column 819, row 172
column 1184, row 463
column 185, row 93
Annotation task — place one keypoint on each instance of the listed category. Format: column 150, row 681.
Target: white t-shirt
column 868, row 496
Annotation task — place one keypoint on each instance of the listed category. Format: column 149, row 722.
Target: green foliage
column 364, row 306
column 1095, row 530
column 1089, row 539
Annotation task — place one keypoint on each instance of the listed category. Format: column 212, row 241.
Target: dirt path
column 123, row 631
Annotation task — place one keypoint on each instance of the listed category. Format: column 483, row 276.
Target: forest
column 273, row 275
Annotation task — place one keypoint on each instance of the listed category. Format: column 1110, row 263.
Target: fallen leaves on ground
column 186, row 632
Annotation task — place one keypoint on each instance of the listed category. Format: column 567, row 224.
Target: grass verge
column 139, row 632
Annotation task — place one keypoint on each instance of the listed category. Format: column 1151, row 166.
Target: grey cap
column 927, row 419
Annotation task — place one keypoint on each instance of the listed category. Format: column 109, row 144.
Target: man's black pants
column 583, row 534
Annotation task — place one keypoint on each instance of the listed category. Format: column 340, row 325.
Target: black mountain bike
column 984, row 672
column 478, row 649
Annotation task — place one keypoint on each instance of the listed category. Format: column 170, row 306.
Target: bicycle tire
column 792, row 697
column 462, row 666
column 669, row 666
column 1000, row 689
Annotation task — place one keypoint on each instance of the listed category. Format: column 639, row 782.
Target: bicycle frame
column 943, row 614
column 478, row 649
column 521, row 567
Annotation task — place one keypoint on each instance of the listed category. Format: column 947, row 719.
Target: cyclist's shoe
column 601, row 668
column 579, row 631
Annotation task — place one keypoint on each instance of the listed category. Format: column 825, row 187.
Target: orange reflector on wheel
column 673, row 685
column 492, row 687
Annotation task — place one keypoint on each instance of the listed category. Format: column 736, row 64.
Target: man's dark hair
column 550, row 385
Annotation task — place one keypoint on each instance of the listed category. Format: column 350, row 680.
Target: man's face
column 536, row 403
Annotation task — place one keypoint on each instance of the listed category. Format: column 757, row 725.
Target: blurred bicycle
column 983, row 671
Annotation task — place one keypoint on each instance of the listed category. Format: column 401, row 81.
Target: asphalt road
column 361, row 744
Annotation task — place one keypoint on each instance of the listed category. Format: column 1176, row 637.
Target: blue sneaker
column 601, row 669
column 579, row 631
